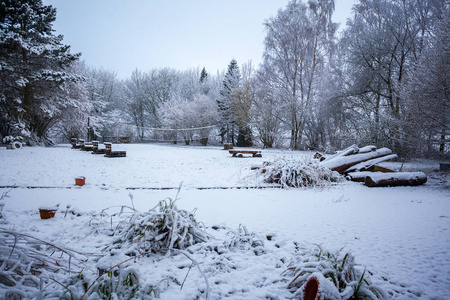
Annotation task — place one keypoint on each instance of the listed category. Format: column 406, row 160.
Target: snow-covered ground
column 401, row 234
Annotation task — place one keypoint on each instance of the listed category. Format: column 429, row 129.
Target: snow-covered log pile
column 361, row 165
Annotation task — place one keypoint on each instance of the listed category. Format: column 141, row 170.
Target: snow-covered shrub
column 26, row 263
column 2, row 204
column 339, row 268
column 10, row 139
column 305, row 172
column 120, row 283
column 163, row 227
column 243, row 239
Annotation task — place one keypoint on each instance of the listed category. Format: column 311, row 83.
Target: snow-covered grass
column 399, row 234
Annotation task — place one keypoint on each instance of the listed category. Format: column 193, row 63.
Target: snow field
column 400, row 234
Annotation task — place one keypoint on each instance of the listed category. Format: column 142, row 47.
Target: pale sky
column 122, row 35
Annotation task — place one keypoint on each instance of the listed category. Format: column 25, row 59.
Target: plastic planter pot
column 47, row 213
column 80, row 181
column 319, row 288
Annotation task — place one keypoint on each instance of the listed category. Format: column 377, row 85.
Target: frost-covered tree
column 144, row 93
column 104, row 96
column 136, row 94
column 73, row 122
column 242, row 99
column 33, row 70
column 384, row 40
column 297, row 45
column 204, row 84
column 267, row 115
column 428, row 92
column 203, row 75
column 231, row 82
column 194, row 119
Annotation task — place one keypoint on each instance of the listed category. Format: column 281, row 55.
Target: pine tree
column 230, row 84
column 203, row 76
column 33, row 70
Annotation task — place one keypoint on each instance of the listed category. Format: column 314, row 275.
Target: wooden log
column 366, row 149
column 366, row 165
column 379, row 169
column 346, row 152
column 358, row 176
column 395, row 179
column 341, row 164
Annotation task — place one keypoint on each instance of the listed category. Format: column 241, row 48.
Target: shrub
column 340, row 269
column 26, row 263
column 242, row 239
column 299, row 173
column 162, row 228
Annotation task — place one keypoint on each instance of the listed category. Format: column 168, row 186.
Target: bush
column 340, row 269
column 162, row 228
column 299, row 173
column 27, row 263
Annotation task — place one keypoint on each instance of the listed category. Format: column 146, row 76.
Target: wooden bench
column 86, row 146
column 240, row 153
column 110, row 153
column 74, row 143
column 96, row 149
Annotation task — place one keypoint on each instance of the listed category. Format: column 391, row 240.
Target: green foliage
column 299, row 173
column 340, row 269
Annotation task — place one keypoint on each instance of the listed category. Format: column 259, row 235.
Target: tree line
column 382, row 80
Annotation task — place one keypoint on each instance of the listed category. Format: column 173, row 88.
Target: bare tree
column 297, row 44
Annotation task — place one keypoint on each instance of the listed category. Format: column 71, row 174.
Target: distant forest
column 383, row 80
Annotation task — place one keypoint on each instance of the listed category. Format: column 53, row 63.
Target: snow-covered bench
column 240, row 153
column 110, row 153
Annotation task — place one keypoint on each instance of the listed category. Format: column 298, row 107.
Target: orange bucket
column 47, row 213
column 80, row 181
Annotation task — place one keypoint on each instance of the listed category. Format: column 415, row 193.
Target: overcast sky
column 123, row 35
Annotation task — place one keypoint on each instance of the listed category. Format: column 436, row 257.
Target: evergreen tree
column 34, row 94
column 230, row 84
column 203, row 76
column 204, row 84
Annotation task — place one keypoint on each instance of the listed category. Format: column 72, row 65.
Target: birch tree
column 299, row 39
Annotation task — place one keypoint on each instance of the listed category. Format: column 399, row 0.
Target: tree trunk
column 395, row 179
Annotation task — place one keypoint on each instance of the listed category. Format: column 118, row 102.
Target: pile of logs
column 361, row 165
